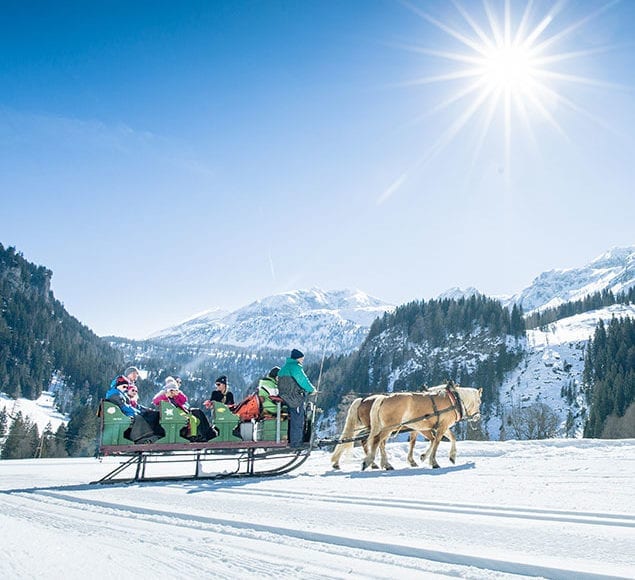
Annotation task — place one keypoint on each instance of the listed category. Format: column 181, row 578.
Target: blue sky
column 164, row 158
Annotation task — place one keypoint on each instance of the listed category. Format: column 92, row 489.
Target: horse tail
column 350, row 426
column 375, row 423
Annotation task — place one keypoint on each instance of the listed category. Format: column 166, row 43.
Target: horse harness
column 457, row 406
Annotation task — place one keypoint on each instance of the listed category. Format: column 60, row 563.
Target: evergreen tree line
column 435, row 320
column 589, row 302
column 609, row 379
column 38, row 337
column 433, row 335
column 23, row 440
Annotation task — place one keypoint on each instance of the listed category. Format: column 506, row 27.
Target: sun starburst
column 506, row 64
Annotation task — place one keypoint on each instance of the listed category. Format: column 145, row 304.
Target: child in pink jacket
column 172, row 394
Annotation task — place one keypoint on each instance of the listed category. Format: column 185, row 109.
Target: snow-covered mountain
column 337, row 321
column 614, row 270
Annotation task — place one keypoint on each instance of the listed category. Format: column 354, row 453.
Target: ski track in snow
column 410, row 523
column 111, row 515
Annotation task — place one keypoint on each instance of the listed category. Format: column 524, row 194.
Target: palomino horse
column 425, row 413
column 358, row 423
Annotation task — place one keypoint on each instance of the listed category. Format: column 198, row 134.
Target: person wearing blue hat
column 293, row 386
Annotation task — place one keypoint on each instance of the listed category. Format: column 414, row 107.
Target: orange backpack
column 248, row 408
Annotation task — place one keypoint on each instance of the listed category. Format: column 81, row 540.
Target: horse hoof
column 364, row 466
column 413, row 464
column 436, row 466
column 336, row 467
column 452, row 460
column 374, row 466
column 389, row 467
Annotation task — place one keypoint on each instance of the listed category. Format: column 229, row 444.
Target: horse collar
column 457, row 403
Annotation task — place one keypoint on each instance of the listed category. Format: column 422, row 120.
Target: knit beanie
column 170, row 383
column 296, row 354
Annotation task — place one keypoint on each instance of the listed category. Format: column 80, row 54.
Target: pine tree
column 22, row 439
column 3, row 421
column 81, row 437
column 609, row 374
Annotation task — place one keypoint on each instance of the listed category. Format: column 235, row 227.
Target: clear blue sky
column 163, row 158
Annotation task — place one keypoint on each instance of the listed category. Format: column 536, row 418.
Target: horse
column 358, row 421
column 426, row 413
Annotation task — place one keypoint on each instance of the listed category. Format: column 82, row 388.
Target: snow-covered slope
column 551, row 371
column 41, row 411
column 614, row 270
column 309, row 319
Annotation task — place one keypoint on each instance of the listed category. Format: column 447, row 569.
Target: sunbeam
column 505, row 64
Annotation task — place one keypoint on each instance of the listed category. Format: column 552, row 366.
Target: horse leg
column 335, row 458
column 411, row 449
column 433, row 449
column 376, row 437
column 452, row 439
column 373, row 465
column 429, row 435
column 372, row 442
column 384, row 457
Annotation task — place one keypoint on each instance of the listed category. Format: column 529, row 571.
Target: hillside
column 38, row 337
column 473, row 341
column 463, row 336
column 551, row 371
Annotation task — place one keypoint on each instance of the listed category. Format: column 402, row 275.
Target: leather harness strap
column 457, row 404
column 436, row 413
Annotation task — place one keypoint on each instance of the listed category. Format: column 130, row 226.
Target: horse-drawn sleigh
column 241, row 448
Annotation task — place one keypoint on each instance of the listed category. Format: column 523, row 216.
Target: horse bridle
column 473, row 418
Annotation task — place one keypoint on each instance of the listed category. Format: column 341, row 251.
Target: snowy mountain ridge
column 613, row 270
column 314, row 319
column 338, row 320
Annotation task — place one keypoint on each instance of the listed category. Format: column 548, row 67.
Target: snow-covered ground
column 553, row 509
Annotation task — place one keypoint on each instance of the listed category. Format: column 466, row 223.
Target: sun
column 509, row 68
column 507, row 64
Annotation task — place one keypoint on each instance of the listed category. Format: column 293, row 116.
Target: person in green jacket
column 293, row 386
column 267, row 388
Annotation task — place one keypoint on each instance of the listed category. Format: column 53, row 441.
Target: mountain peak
column 614, row 270
column 310, row 318
column 456, row 293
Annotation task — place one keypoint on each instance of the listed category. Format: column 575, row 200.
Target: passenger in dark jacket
column 293, row 386
column 222, row 394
